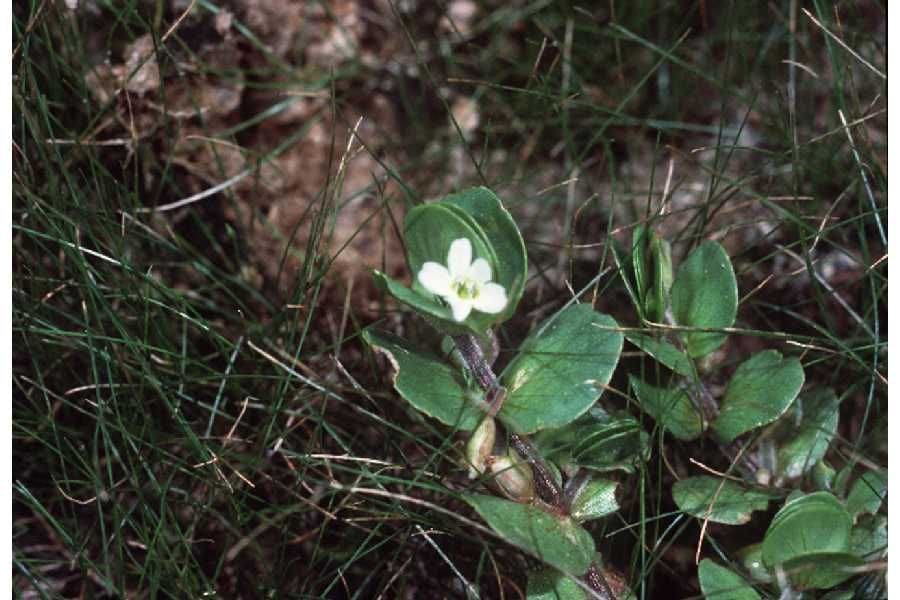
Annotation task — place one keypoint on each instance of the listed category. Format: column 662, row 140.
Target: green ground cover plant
column 380, row 299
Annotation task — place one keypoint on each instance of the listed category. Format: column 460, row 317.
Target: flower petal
column 459, row 257
column 480, row 271
column 491, row 298
column 461, row 308
column 435, row 278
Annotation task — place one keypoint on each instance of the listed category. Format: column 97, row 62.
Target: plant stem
column 709, row 407
column 475, row 361
column 597, row 581
column 547, row 489
column 477, row 364
column 707, row 402
column 545, row 485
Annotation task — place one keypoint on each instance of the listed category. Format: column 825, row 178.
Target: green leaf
column 658, row 294
column 867, row 494
column 731, row 505
column 550, row 584
column 598, row 441
column 557, row 540
column 438, row 314
column 751, row 559
column 596, row 499
column 664, row 352
column 816, row 523
column 869, row 537
column 838, row 595
column 821, row 571
column 842, row 480
column 428, row 230
column 501, row 232
column 626, row 272
column 704, row 295
column 719, row 583
column 640, row 243
column 761, row 390
column 561, row 369
column 823, row 476
column 806, row 431
column 671, row 408
column 427, row 383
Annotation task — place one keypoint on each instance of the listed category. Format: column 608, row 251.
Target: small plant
column 545, row 448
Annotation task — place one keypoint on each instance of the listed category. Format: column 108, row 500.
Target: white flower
column 464, row 284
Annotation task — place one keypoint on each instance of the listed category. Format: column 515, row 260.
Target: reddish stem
column 545, row 485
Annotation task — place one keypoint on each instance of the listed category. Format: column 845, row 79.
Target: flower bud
column 481, row 446
column 513, row 477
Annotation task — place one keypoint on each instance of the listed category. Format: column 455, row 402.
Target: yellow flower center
column 465, row 288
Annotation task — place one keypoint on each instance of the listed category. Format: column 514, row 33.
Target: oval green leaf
column 561, row 369
column 436, row 313
column 719, row 583
column 812, row 524
column 869, row 537
column 501, row 232
column 751, row 559
column 550, row 584
column 427, row 383
column 598, row 441
column 800, row 448
column 838, row 595
column 704, row 295
column 719, row 500
column 867, row 494
column 596, row 499
column 761, row 390
column 822, row 571
column 842, row 480
column 671, row 408
column 823, row 476
column 557, row 540
column 626, row 272
column 664, row 352
column 658, row 294
column 640, row 261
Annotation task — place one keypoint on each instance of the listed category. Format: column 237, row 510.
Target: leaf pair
column 812, row 538
column 558, row 375
column 702, row 297
column 760, row 391
column 561, row 368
